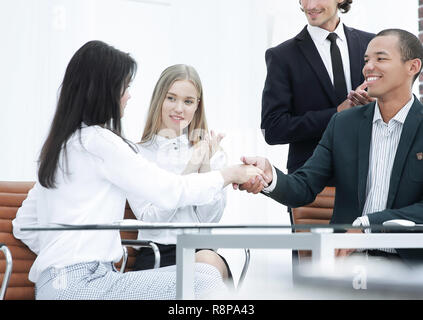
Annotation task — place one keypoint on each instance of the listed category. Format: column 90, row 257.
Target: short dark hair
column 409, row 45
column 344, row 6
column 91, row 91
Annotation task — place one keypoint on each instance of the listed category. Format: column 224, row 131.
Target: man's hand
column 345, row 105
column 360, row 96
column 357, row 97
column 255, row 185
column 347, row 252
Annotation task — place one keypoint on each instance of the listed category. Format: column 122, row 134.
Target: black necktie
column 338, row 69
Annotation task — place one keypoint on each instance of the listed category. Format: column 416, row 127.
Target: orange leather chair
column 318, row 212
column 12, row 194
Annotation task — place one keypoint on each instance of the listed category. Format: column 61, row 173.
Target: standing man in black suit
column 309, row 79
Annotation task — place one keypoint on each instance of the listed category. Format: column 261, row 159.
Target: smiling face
column 386, row 73
column 179, row 106
column 321, row 13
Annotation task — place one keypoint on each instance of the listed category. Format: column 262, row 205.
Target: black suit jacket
column 299, row 98
column 343, row 155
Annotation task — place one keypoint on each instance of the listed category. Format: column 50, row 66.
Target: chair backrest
column 128, row 235
column 12, row 194
column 318, row 212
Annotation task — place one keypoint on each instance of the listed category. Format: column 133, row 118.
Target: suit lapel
column 364, row 139
column 354, row 53
column 409, row 130
column 307, row 47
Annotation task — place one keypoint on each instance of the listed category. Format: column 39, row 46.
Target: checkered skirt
column 101, row 281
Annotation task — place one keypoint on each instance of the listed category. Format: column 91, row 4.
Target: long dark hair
column 94, row 82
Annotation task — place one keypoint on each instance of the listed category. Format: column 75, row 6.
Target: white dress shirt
column 383, row 148
column 319, row 37
column 173, row 155
column 92, row 187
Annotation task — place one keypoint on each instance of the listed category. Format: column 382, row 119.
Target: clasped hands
column 203, row 151
column 255, row 184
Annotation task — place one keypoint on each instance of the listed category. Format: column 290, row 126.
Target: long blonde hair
column 198, row 126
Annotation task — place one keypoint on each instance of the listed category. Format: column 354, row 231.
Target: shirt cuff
column 361, row 221
column 272, row 185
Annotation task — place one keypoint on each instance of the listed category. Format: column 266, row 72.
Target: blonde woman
column 177, row 139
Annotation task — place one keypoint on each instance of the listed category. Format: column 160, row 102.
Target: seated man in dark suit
column 373, row 153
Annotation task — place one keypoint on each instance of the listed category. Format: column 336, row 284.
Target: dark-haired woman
column 86, row 170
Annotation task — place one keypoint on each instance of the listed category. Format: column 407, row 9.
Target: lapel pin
column 419, row 156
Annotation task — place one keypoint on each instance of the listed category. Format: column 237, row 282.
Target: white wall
column 224, row 40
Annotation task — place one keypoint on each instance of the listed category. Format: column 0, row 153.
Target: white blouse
column 92, row 187
column 173, row 155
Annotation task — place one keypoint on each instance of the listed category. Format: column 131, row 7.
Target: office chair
column 318, row 212
column 15, row 283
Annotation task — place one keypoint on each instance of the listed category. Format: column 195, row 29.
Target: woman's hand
column 203, row 152
column 200, row 154
column 214, row 142
column 214, row 145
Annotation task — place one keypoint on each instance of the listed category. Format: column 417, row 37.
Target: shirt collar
column 399, row 117
column 319, row 35
column 161, row 141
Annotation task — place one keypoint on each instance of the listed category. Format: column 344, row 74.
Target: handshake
column 253, row 175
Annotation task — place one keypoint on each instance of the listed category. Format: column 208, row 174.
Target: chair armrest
column 8, row 271
column 136, row 244
column 245, row 268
